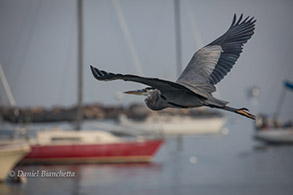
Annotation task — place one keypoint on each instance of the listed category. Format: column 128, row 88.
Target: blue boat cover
column 288, row 84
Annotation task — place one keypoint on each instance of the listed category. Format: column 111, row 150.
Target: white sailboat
column 270, row 129
column 11, row 151
column 276, row 136
column 56, row 146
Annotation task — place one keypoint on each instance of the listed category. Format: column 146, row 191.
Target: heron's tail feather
column 215, row 102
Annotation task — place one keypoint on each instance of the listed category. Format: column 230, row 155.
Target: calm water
column 218, row 164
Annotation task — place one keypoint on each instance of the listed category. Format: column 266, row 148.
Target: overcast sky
column 39, row 56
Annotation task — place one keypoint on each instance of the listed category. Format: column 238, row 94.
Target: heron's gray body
column 184, row 99
column 195, row 85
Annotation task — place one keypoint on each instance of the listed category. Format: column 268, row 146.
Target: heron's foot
column 244, row 112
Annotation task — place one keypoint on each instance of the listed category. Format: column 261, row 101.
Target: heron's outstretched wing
column 211, row 63
column 166, row 87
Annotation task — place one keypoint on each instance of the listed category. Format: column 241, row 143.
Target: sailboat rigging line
column 280, row 103
column 178, row 41
column 68, row 61
column 196, row 34
column 128, row 38
column 195, row 31
column 27, row 40
column 18, row 38
column 6, row 87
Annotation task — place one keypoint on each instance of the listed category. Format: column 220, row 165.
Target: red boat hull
column 132, row 151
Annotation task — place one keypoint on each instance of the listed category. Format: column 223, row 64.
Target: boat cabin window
column 72, row 139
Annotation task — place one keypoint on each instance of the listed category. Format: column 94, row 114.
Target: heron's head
column 154, row 99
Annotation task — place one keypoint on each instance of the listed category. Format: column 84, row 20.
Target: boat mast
column 79, row 115
column 178, row 36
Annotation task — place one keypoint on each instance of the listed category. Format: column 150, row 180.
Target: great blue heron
column 195, row 85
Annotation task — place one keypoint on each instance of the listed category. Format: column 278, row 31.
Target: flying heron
column 195, row 85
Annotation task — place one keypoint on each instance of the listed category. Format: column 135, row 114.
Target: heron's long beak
column 138, row 92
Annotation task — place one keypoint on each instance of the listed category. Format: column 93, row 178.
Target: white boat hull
column 277, row 136
column 11, row 153
column 178, row 125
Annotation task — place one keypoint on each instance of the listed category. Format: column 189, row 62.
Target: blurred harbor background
column 234, row 163
column 200, row 151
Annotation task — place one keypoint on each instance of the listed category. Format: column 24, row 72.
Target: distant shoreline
column 93, row 111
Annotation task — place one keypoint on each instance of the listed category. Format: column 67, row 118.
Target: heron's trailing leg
column 244, row 112
column 241, row 111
